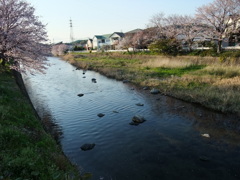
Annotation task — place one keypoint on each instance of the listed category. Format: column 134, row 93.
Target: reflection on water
column 169, row 145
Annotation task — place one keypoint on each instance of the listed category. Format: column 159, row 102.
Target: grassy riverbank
column 210, row 81
column 26, row 150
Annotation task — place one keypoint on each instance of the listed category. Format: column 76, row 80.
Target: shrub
column 165, row 47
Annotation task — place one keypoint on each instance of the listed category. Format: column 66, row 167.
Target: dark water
column 169, row 145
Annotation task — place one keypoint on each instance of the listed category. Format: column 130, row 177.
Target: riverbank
column 210, row 81
column 26, row 150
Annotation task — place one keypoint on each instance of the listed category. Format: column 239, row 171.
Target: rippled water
column 169, row 145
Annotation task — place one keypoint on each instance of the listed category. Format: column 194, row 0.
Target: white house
column 99, row 41
column 234, row 31
column 89, row 45
column 115, row 38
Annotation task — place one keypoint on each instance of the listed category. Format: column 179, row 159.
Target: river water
column 168, row 145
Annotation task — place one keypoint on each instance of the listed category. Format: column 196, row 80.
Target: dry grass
column 223, row 71
column 177, row 62
column 166, row 62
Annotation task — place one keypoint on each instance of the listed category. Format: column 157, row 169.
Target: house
column 133, row 31
column 89, row 44
column 99, row 41
column 115, row 38
column 234, row 31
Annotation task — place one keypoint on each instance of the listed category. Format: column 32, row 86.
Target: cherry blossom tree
column 21, row 37
column 157, row 25
column 187, row 29
column 217, row 15
column 59, row 49
column 126, row 42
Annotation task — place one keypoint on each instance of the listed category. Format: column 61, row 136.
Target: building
column 101, row 41
column 115, row 38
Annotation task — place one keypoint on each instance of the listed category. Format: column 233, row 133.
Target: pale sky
column 98, row 17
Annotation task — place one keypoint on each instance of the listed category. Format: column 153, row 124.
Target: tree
column 59, row 49
column 188, row 29
column 178, row 27
column 126, row 42
column 21, row 37
column 217, row 15
column 157, row 25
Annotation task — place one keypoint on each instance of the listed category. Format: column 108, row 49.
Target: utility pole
column 71, row 31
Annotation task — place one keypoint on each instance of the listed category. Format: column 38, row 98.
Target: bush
column 78, row 48
column 165, row 47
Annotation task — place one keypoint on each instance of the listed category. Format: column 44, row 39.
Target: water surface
column 169, row 145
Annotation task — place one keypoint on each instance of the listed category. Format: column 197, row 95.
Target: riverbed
column 178, row 140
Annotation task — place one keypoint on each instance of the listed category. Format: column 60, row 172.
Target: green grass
column 26, row 150
column 166, row 72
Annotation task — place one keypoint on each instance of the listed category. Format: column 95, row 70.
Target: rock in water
column 138, row 119
column 80, row 95
column 146, row 88
column 101, row 115
column 87, row 147
column 204, row 158
column 94, row 80
column 205, row 135
column 154, row 91
column 125, row 81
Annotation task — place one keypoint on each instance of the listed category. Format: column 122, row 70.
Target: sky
column 98, row 17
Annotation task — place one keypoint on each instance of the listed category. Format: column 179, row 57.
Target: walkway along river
column 178, row 140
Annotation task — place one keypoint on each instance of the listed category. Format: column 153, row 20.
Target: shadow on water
column 178, row 140
column 47, row 119
column 52, row 127
column 222, row 127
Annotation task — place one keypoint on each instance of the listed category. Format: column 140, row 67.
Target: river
column 170, row 144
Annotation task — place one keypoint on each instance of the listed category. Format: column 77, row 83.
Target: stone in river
column 204, row 158
column 205, row 135
column 154, row 91
column 138, row 119
column 101, row 115
column 80, row 95
column 87, row 147
column 94, row 80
